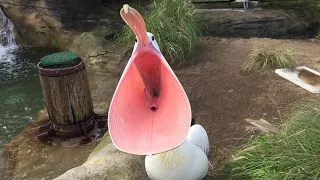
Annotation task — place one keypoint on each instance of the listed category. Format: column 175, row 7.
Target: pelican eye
column 152, row 37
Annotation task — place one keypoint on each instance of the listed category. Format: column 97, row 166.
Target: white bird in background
column 245, row 3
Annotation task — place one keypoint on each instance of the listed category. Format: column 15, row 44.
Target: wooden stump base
column 81, row 128
column 47, row 135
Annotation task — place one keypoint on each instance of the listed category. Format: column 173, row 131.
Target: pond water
column 21, row 95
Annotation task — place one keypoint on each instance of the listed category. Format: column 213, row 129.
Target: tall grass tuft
column 175, row 28
column 291, row 153
column 270, row 58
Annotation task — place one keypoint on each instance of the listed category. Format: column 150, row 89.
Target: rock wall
column 71, row 25
column 270, row 23
column 107, row 162
column 84, row 26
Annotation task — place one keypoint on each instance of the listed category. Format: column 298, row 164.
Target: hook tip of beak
column 126, row 8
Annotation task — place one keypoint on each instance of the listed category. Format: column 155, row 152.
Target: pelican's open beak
column 150, row 112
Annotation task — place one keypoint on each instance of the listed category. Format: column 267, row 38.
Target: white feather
column 187, row 162
column 198, row 136
column 152, row 40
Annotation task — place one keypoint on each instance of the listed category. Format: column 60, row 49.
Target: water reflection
column 20, row 92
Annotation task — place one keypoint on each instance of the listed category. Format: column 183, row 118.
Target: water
column 20, row 92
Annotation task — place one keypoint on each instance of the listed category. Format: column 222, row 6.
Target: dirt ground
column 222, row 96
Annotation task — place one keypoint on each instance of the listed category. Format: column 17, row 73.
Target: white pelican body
column 186, row 162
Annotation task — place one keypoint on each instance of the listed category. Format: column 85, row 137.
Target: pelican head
column 150, row 112
column 151, row 39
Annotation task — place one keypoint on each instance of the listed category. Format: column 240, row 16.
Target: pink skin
column 148, row 69
column 150, row 112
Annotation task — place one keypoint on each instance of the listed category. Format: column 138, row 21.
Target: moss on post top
column 60, row 59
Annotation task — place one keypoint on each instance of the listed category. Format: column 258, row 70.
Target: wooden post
column 66, row 90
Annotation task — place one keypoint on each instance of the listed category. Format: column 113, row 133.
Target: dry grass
column 270, row 58
column 291, row 153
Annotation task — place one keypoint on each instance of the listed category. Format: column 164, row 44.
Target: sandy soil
column 222, row 96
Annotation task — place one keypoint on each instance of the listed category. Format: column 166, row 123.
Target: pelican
column 150, row 113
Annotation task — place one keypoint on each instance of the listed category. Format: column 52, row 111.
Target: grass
column 270, row 58
column 175, row 28
column 291, row 153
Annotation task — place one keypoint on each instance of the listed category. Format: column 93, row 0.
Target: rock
column 98, row 54
column 102, row 87
column 271, row 23
column 33, row 159
column 107, row 162
column 71, row 25
column 4, row 161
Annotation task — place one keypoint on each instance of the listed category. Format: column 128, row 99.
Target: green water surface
column 21, row 95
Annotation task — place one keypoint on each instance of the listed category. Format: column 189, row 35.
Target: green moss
column 123, row 176
column 60, row 59
column 105, row 141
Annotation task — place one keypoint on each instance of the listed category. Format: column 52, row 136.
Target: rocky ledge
column 268, row 23
column 72, row 25
column 4, row 162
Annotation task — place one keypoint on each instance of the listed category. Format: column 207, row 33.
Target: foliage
column 266, row 58
column 291, row 153
column 175, row 28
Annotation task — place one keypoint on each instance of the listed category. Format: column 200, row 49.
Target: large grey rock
column 107, row 162
column 271, row 23
column 4, row 161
